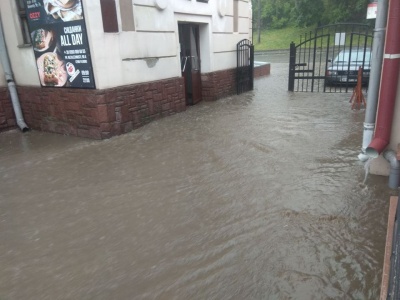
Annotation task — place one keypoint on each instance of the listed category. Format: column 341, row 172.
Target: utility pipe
column 389, row 81
column 394, row 176
column 5, row 62
column 375, row 76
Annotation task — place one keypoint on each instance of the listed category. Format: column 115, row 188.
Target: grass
column 277, row 39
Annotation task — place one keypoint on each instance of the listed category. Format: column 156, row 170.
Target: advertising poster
column 60, row 43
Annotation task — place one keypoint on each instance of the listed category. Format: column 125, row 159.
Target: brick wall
column 7, row 117
column 262, row 70
column 100, row 114
column 218, row 84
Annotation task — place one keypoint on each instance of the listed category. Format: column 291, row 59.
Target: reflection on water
column 258, row 196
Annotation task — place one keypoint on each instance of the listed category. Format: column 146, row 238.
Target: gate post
column 251, row 71
column 292, row 66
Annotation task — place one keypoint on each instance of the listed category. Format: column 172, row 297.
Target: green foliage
column 345, row 11
column 273, row 39
column 308, row 12
column 277, row 14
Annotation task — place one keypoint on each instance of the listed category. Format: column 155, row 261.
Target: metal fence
column 245, row 66
column 328, row 59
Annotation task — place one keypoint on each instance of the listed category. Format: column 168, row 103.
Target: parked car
column 344, row 69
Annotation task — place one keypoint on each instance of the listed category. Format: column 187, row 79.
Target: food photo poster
column 60, row 44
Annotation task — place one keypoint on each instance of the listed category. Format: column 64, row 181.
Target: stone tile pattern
column 262, row 70
column 7, row 117
column 101, row 114
column 218, row 84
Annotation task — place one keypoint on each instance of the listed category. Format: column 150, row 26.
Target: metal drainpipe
column 389, row 81
column 394, row 176
column 10, row 82
column 375, row 76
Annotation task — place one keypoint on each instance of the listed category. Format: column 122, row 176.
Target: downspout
column 10, row 82
column 375, row 76
column 389, row 81
column 394, row 176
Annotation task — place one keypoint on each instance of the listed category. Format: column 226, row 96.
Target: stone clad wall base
column 262, row 70
column 7, row 117
column 218, row 84
column 100, row 114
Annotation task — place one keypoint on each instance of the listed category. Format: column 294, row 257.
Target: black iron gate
column 245, row 66
column 328, row 59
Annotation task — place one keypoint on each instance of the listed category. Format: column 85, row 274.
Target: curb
column 277, row 51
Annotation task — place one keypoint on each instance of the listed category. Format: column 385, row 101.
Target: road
column 258, row 196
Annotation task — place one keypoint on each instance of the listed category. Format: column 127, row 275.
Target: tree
column 282, row 13
column 345, row 11
column 278, row 13
column 308, row 12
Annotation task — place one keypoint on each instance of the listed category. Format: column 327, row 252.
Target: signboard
column 372, row 10
column 60, row 43
column 340, row 38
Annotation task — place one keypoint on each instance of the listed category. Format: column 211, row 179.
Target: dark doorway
column 190, row 61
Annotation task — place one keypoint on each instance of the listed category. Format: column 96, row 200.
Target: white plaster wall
column 225, row 50
column 192, row 7
column 395, row 135
column 380, row 166
column 123, row 58
column 149, row 53
column 22, row 59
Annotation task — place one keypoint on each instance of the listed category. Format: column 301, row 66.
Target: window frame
column 23, row 22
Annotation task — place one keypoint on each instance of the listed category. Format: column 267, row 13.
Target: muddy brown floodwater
column 258, row 196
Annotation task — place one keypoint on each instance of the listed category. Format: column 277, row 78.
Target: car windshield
column 356, row 57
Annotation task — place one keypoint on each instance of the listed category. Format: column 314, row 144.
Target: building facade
column 148, row 59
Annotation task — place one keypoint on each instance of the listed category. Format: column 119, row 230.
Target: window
column 109, row 15
column 23, row 22
column 204, row 1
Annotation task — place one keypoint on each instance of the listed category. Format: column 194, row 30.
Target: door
column 190, row 61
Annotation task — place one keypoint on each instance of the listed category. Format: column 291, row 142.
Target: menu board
column 60, row 43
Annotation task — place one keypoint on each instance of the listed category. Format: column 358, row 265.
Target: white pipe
column 367, row 138
column 394, row 176
column 10, row 82
column 375, row 76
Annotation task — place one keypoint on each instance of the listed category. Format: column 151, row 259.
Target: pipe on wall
column 5, row 62
column 375, row 76
column 389, row 81
column 394, row 176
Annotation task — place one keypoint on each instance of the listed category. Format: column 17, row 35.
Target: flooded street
column 258, row 196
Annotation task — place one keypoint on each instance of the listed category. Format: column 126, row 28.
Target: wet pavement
column 258, row 196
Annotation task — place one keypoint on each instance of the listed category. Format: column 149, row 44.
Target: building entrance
column 190, row 61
